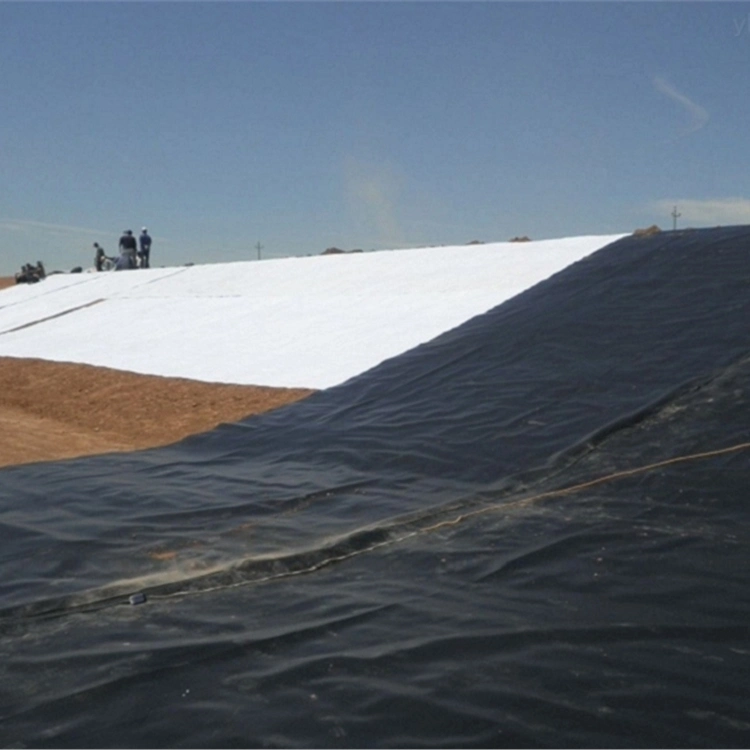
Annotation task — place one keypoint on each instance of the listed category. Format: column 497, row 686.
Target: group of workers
column 133, row 254
column 30, row 274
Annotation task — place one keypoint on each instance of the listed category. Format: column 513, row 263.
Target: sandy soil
column 51, row 410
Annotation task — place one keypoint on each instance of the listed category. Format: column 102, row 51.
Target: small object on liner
column 137, row 598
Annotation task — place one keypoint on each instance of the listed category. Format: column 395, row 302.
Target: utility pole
column 674, row 218
column 258, row 247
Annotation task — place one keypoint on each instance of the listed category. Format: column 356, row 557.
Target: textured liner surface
column 531, row 531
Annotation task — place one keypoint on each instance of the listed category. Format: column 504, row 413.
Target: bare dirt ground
column 52, row 410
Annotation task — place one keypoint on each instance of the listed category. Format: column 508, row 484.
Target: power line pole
column 258, row 247
column 674, row 218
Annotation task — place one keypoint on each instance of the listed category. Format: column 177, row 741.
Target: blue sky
column 367, row 125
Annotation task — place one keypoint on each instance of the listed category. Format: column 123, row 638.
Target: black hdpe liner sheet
column 531, row 531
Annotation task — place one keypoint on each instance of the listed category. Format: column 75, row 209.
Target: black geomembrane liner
column 530, row 531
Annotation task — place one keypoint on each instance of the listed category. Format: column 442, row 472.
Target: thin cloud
column 714, row 211
column 697, row 114
column 22, row 225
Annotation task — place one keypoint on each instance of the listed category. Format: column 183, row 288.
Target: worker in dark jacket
column 128, row 249
column 145, row 251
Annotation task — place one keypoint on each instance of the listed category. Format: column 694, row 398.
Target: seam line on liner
column 593, row 483
column 51, row 317
column 464, row 516
column 153, row 595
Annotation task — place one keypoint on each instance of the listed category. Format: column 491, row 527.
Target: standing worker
column 145, row 252
column 128, row 250
column 99, row 257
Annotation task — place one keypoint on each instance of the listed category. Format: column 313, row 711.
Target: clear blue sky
column 363, row 125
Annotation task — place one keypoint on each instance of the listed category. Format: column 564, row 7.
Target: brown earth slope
column 52, row 410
